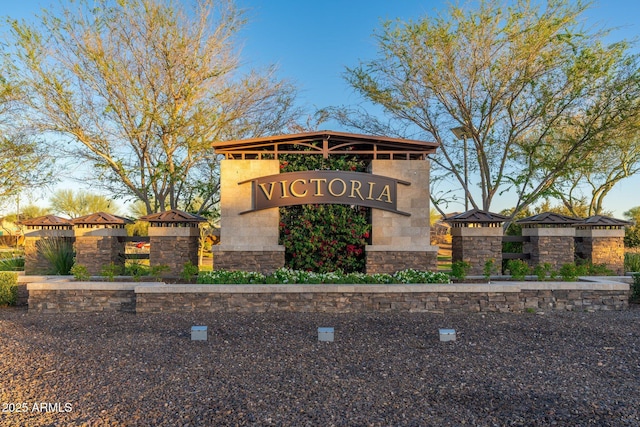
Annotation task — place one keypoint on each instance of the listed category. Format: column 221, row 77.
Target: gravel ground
column 563, row 369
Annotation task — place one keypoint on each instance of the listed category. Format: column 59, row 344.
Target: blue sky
column 312, row 42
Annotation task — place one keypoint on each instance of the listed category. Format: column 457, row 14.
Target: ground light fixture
column 198, row 333
column 447, row 334
column 325, row 334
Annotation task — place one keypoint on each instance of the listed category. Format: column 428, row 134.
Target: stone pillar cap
column 101, row 218
column 549, row 219
column 173, row 217
column 477, row 218
column 601, row 221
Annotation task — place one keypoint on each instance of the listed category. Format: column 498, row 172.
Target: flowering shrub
column 224, row 277
column 416, row 276
column 290, row 276
column 323, row 238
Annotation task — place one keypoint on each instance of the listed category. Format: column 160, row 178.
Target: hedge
column 8, row 288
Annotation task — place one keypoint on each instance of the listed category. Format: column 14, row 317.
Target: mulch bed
column 112, row 369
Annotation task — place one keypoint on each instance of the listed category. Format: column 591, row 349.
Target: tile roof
column 101, row 218
column 477, row 216
column 173, row 215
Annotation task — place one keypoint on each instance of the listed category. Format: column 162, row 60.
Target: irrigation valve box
column 198, row 333
column 447, row 334
column 325, row 334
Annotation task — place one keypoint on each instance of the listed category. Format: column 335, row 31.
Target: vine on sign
column 324, row 238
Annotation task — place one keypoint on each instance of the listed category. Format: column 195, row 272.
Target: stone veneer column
column 34, row 262
column 477, row 245
column 550, row 245
column 602, row 246
column 249, row 241
column 397, row 241
column 99, row 247
column 173, row 247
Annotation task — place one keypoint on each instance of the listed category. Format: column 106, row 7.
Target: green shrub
column 188, row 271
column 459, row 269
column 220, row 277
column 136, row 270
column 489, row 268
column 80, row 272
column 110, row 271
column 632, row 262
column 156, row 271
column 597, row 270
column 635, row 288
column 59, row 252
column 12, row 264
column 542, row 271
column 289, row 276
column 8, row 288
column 416, row 276
column 518, row 269
column 569, row 272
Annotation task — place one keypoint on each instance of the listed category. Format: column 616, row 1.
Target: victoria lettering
column 325, row 187
column 316, row 187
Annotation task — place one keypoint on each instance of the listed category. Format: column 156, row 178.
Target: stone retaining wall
column 155, row 298
column 72, row 301
column 348, row 302
column 71, row 297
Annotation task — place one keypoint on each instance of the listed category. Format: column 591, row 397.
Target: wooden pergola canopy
column 326, row 143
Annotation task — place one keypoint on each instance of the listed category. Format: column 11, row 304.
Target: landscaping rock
column 111, row 369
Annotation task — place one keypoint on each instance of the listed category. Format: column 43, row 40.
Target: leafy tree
column 578, row 209
column 33, row 211
column 26, row 212
column 632, row 233
column 22, row 162
column 140, row 89
column 600, row 171
column 78, row 203
column 533, row 93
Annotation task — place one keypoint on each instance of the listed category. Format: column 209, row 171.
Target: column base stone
column 265, row 261
column 390, row 260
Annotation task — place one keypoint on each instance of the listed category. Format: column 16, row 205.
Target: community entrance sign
column 396, row 187
column 326, row 187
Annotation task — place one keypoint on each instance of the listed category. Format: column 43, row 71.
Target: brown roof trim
column 603, row 221
column 173, row 215
column 46, row 221
column 101, row 218
column 332, row 143
column 549, row 218
column 477, row 216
